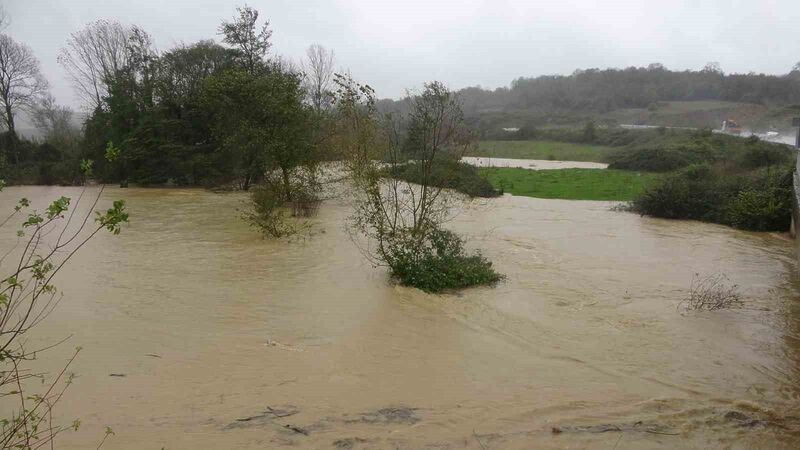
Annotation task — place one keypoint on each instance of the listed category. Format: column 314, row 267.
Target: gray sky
column 394, row 45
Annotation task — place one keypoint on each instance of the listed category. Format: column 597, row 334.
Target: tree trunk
column 13, row 151
column 10, row 120
column 287, row 188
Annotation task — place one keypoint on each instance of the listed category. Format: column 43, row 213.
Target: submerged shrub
column 765, row 205
column 279, row 199
column 269, row 213
column 436, row 261
column 711, row 292
column 684, row 195
column 758, row 201
column 668, row 150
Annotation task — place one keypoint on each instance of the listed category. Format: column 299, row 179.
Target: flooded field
column 223, row 340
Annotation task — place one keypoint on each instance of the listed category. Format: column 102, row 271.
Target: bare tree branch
column 94, row 56
column 55, row 122
column 21, row 81
column 318, row 68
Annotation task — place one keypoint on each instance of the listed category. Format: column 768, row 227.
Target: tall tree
column 142, row 67
column 244, row 34
column 183, row 69
column 21, row 80
column 262, row 123
column 94, row 56
column 318, row 67
column 400, row 220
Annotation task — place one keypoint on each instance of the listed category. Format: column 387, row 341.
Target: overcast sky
column 394, row 45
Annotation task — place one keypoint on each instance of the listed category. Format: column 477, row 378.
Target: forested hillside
column 606, row 90
column 652, row 95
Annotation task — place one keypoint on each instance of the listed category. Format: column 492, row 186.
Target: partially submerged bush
column 711, row 292
column 759, row 200
column 766, row 207
column 399, row 217
column 305, row 189
column 276, row 204
column 436, row 261
column 269, row 213
column 684, row 195
column 667, row 150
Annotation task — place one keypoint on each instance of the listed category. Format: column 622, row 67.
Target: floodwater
column 229, row 341
column 533, row 164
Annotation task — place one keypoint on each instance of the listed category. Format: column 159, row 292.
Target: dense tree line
column 203, row 114
column 595, row 90
column 197, row 114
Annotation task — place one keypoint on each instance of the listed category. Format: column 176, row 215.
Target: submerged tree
column 261, row 122
column 358, row 137
column 402, row 221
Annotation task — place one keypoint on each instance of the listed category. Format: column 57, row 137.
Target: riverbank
column 675, row 174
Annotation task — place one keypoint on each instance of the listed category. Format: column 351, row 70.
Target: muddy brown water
column 229, row 341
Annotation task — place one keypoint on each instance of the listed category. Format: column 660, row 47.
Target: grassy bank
column 550, row 150
column 570, row 184
column 741, row 182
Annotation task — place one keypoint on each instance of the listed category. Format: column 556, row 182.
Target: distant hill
column 650, row 95
column 607, row 90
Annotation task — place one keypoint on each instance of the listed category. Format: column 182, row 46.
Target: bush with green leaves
column 436, row 261
column 759, row 200
column 756, row 155
column 268, row 213
column 400, row 216
column 675, row 149
column 276, row 205
column 765, row 204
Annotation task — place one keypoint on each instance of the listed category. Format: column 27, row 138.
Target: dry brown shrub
column 711, row 292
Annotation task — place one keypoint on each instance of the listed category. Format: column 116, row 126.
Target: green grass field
column 560, row 151
column 570, row 184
